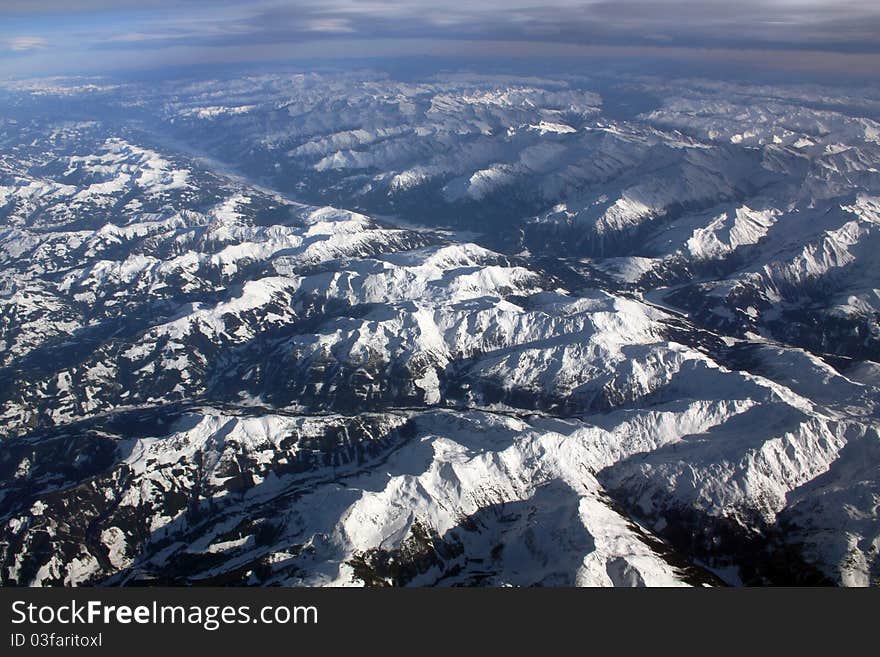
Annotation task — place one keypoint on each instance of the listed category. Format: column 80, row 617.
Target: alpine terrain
column 343, row 328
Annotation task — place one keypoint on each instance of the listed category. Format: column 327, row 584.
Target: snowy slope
column 505, row 334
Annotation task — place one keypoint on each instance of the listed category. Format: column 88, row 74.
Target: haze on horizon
column 103, row 36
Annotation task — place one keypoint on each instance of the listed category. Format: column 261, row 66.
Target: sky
column 45, row 37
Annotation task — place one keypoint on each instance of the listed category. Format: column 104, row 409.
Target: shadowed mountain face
column 341, row 329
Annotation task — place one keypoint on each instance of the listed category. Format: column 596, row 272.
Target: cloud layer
column 202, row 26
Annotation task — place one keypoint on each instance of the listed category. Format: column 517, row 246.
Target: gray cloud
column 830, row 25
column 199, row 26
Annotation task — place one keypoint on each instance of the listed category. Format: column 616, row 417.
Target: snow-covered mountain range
column 340, row 329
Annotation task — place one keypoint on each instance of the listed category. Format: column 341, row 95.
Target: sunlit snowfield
column 333, row 329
